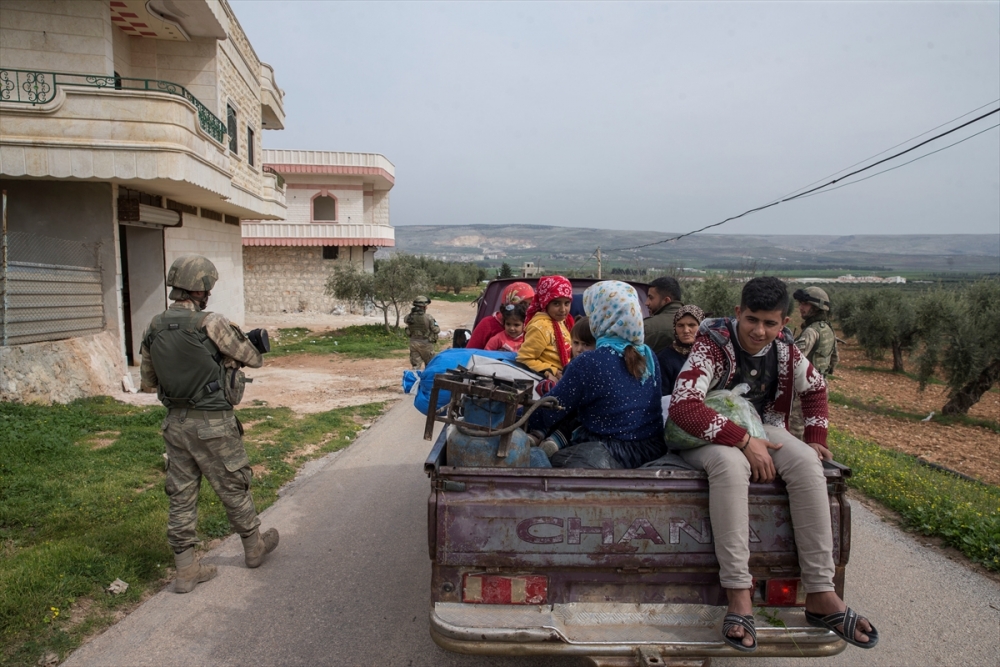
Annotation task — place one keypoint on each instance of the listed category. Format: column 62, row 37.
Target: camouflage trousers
column 421, row 352
column 205, row 443
column 796, row 420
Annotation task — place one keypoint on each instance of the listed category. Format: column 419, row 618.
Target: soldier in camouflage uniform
column 423, row 331
column 817, row 341
column 191, row 358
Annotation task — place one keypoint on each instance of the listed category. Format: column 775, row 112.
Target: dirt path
column 309, row 383
column 892, row 390
column 971, row 450
column 449, row 316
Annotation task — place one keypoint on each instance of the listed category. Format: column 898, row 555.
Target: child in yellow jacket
column 546, row 347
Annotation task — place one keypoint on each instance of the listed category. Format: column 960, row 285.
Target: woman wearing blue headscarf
column 615, row 389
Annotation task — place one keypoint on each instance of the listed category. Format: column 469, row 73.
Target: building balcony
column 373, row 167
column 272, row 100
column 317, row 234
column 149, row 135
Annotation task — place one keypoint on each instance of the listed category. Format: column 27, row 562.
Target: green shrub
column 363, row 341
column 933, row 502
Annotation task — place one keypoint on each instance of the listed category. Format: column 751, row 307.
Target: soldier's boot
column 256, row 546
column 191, row 572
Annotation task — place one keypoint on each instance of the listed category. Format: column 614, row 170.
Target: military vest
column 188, row 364
column 824, row 352
column 420, row 325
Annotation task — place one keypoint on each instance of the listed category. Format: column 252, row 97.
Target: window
column 331, row 252
column 325, row 209
column 250, row 146
column 234, row 143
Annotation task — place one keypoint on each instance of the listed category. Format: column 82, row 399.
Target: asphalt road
column 348, row 584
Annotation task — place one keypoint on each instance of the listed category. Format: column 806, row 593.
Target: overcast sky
column 650, row 116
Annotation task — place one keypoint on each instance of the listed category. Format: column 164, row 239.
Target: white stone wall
column 121, row 45
column 57, row 36
column 350, row 203
column 221, row 243
column 380, row 210
column 291, row 278
column 190, row 64
column 62, row 371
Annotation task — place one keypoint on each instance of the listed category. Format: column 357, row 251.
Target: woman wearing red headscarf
column 491, row 326
column 546, row 348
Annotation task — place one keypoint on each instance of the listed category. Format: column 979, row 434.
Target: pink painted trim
column 315, row 242
column 323, row 193
column 319, row 186
column 332, row 169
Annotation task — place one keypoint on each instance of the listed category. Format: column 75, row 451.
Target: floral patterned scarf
column 616, row 320
column 548, row 289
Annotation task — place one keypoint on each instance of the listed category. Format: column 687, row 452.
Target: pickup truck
column 615, row 566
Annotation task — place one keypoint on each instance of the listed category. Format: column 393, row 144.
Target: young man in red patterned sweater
column 755, row 348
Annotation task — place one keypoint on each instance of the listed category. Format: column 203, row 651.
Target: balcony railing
column 279, row 177
column 27, row 87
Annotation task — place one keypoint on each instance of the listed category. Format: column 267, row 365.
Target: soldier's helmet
column 192, row 273
column 422, row 301
column 813, row 295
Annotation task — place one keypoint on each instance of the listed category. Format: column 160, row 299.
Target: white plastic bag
column 728, row 403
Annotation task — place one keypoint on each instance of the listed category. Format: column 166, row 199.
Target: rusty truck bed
column 605, row 563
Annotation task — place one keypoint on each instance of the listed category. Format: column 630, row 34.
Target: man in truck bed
column 756, row 349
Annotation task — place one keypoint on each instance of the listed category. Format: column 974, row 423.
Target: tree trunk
column 897, row 358
column 385, row 316
column 396, row 306
column 960, row 401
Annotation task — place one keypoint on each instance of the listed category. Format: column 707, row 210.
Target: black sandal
column 849, row 620
column 733, row 620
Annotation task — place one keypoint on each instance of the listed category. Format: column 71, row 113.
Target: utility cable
column 902, row 143
column 814, row 189
column 844, row 185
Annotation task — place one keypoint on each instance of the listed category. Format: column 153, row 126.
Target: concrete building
column 338, row 213
column 130, row 134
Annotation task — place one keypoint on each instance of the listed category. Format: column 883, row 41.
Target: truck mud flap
column 611, row 629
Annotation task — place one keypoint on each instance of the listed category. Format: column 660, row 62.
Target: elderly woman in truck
column 615, row 389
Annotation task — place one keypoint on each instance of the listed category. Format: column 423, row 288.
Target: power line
column 823, row 192
column 968, row 113
column 815, row 189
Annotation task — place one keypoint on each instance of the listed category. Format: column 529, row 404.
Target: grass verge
column 464, row 297
column 966, row 514
column 364, row 341
column 838, row 398
column 82, row 503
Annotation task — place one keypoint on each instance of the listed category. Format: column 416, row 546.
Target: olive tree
column 881, row 320
column 395, row 283
column 716, row 295
column 960, row 330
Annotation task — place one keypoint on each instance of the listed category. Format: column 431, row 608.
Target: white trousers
column 728, row 507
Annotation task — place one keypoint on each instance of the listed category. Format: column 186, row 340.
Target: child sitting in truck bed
column 582, row 340
column 546, row 347
column 511, row 337
column 614, row 390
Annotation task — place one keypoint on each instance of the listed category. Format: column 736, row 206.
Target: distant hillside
column 563, row 246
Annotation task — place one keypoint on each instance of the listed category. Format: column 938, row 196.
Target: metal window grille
column 234, row 142
column 51, row 289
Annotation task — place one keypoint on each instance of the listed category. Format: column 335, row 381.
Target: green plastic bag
column 728, row 403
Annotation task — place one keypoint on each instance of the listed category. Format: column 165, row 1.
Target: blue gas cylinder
column 481, row 452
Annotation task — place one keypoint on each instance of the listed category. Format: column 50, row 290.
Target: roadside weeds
column 964, row 514
column 74, row 517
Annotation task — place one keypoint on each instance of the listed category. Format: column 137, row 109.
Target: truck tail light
column 784, row 593
column 502, row 589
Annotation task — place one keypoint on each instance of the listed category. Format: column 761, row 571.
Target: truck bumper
column 598, row 629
